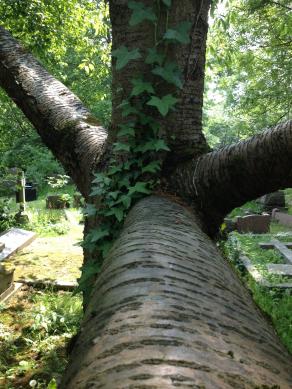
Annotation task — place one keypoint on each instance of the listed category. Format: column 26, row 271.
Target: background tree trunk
column 167, row 311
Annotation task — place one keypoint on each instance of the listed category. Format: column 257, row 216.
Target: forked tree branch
column 227, row 178
column 64, row 124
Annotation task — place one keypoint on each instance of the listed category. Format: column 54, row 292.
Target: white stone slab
column 10, row 292
column 283, row 270
column 14, row 240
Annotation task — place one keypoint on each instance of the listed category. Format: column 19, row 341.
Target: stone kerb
column 258, row 224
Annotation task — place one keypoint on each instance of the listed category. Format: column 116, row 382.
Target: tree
column 166, row 310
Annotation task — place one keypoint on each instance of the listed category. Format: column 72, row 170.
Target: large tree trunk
column 168, row 311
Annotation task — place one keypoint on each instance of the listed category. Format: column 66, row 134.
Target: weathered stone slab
column 57, row 284
column 258, row 224
column 14, row 240
column 259, row 278
column 6, row 279
column 273, row 200
column 283, row 218
column 10, row 292
column 281, row 247
column 283, row 270
column 2, row 245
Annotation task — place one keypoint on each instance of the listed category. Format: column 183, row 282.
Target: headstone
column 282, row 218
column 257, row 224
column 273, row 200
column 14, row 240
column 57, row 202
column 6, row 279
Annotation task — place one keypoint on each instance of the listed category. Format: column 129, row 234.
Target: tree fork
column 167, row 311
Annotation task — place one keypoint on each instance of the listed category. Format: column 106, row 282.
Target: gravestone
column 14, row 240
column 57, row 202
column 282, row 218
column 6, row 279
column 273, row 200
column 257, row 224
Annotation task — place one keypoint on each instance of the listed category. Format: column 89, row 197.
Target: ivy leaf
column 126, row 131
column 96, row 235
column 125, row 200
column 141, row 86
column 140, row 13
column 152, row 167
column 127, row 108
column 117, row 212
column 118, row 146
column 180, row 34
column 153, row 145
column 113, row 170
column 139, row 187
column 164, row 104
column 124, row 56
column 167, row 2
column 90, row 210
column 170, row 73
column 154, row 56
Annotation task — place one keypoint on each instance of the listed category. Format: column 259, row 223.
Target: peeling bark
column 64, row 124
column 224, row 179
column 169, row 312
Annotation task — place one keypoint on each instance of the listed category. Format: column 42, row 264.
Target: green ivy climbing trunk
column 168, row 312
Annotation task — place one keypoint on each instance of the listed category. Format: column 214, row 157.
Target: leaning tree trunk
column 168, row 311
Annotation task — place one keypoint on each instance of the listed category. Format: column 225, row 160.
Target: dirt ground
column 50, row 258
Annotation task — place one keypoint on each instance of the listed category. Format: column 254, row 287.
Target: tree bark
column 64, row 124
column 240, row 172
column 168, row 311
column 183, row 127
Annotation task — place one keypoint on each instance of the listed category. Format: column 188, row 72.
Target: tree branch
column 227, row 178
column 167, row 311
column 64, row 124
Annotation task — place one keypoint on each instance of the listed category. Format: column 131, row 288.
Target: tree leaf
column 140, row 13
column 164, row 104
column 124, row 56
column 90, row 210
column 180, row 34
column 154, row 56
column 96, row 235
column 117, row 212
column 170, row 73
column 139, row 187
column 152, row 167
column 167, row 3
column 119, row 146
column 141, row 86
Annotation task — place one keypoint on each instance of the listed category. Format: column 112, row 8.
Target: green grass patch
column 35, row 329
column 276, row 303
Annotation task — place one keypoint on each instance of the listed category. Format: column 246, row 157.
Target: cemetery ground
column 37, row 323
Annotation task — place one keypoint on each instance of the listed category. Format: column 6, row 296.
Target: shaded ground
column 51, row 258
column 35, row 329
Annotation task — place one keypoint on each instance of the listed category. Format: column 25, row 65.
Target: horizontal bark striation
column 168, row 311
column 64, row 124
column 227, row 178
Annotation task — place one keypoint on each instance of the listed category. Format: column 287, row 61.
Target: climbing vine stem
column 133, row 170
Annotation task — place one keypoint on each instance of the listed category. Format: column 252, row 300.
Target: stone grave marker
column 272, row 268
column 14, row 240
column 257, row 224
column 273, row 200
column 282, row 218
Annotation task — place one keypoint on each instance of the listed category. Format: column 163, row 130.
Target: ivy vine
column 134, row 168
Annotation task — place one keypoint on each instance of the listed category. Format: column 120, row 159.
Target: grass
column 276, row 303
column 45, row 222
column 35, row 329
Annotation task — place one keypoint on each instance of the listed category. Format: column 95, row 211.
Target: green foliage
column 134, row 167
column 34, row 334
column 275, row 303
column 7, row 219
column 248, row 61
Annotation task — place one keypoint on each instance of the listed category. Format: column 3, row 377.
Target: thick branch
column 168, row 312
column 64, row 124
column 222, row 180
